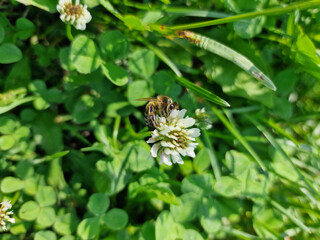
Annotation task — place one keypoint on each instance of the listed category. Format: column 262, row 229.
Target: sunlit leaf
column 228, row 186
column 114, row 45
column 133, row 22
column 11, row 184
column 46, row 216
column 167, row 228
column 84, row 55
column 143, row 63
column 187, row 210
column 250, row 27
column 29, row 211
column 210, row 215
column 66, row 224
column 88, row 228
column 139, row 89
column 45, row 235
column 116, row 74
column 46, row 196
column 47, row 5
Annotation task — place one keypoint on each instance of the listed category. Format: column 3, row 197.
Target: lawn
column 159, row 120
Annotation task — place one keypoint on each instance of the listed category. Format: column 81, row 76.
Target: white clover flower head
column 201, row 111
column 4, row 215
column 173, row 138
column 202, row 119
column 75, row 14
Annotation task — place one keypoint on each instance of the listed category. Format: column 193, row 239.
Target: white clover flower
column 172, row 138
column 76, row 14
column 202, row 119
column 4, row 215
column 200, row 111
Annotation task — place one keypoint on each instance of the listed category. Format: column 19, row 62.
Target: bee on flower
column 4, row 215
column 75, row 14
column 173, row 137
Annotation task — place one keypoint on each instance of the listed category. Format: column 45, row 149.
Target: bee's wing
column 145, row 99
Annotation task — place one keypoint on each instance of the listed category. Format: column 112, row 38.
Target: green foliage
column 42, row 235
column 115, row 219
column 88, row 228
column 249, row 28
column 143, row 62
column 74, row 161
column 11, row 184
column 25, row 28
column 117, row 75
column 9, row 53
column 98, row 203
column 114, row 45
column 66, row 224
column 187, row 208
column 84, row 55
column 1, row 34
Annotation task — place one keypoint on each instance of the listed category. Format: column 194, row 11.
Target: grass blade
column 196, row 13
column 242, row 235
column 16, row 103
column 176, row 10
column 184, row 82
column 280, row 130
column 229, row 54
column 240, row 138
column 205, row 94
column 107, row 5
column 276, row 145
column 162, row 56
column 115, row 132
column 266, row 12
column 289, row 215
column 213, row 159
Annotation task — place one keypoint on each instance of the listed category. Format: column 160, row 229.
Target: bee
column 161, row 105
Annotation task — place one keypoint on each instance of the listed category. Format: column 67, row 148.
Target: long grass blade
column 107, row 5
column 276, row 145
column 280, row 130
column 238, row 136
column 196, row 13
column 205, row 94
column 247, row 138
column 213, row 159
column 184, row 82
column 242, row 235
column 229, row 54
column 176, row 10
column 266, row 12
column 115, row 132
column 289, row 215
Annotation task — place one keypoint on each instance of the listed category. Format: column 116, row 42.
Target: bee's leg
column 153, row 121
column 163, row 113
column 149, row 122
